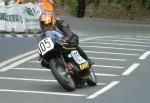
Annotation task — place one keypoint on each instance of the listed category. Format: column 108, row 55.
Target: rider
column 48, row 22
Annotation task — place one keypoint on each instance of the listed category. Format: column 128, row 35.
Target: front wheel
column 59, row 71
column 92, row 80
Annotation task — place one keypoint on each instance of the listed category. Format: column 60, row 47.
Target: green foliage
column 145, row 4
column 96, row 2
column 73, row 4
column 6, row 2
column 110, row 1
column 62, row 2
column 126, row 3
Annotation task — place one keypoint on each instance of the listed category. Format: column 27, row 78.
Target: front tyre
column 92, row 80
column 59, row 71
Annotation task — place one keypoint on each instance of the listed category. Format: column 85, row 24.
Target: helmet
column 47, row 21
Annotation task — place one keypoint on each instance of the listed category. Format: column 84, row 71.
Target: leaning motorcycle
column 68, row 67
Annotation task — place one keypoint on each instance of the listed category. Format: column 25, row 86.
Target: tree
column 81, row 8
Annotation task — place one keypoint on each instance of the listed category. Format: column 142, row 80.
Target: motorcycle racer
column 48, row 22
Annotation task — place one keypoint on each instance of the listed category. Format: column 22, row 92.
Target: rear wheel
column 59, row 71
column 92, row 80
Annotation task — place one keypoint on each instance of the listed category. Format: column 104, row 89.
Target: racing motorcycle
column 68, row 67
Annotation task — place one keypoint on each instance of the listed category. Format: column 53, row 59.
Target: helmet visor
column 46, row 26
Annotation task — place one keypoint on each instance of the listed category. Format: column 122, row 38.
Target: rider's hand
column 65, row 40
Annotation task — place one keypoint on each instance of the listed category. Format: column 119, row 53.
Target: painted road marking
column 91, row 38
column 125, row 41
column 137, row 39
column 16, row 58
column 113, row 48
column 26, row 79
column 42, row 92
column 36, row 80
column 34, row 61
column 8, row 35
column 131, row 69
column 30, row 36
column 105, row 66
column 112, row 53
column 31, row 69
column 47, row 70
column 111, row 59
column 109, row 75
column 19, row 36
column 103, row 90
column 18, row 62
column 145, row 55
column 116, row 44
column 147, row 37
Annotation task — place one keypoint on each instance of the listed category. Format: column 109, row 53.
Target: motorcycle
column 68, row 67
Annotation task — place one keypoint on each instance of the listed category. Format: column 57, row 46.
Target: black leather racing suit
column 73, row 39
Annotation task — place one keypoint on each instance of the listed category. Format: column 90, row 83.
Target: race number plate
column 77, row 57
column 45, row 45
column 83, row 64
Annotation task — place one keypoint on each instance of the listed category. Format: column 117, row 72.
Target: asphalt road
column 120, row 51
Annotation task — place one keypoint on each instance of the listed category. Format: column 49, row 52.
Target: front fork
column 68, row 66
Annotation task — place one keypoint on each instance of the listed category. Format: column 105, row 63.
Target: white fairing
column 77, row 57
column 45, row 46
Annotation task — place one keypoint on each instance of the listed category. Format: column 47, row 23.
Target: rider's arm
column 64, row 27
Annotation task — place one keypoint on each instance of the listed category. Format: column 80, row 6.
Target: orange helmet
column 47, row 21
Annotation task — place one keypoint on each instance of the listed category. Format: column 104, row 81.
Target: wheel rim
column 64, row 74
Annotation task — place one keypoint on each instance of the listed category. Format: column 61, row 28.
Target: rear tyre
column 92, row 80
column 59, row 72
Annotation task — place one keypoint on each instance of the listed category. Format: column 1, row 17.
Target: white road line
column 16, row 58
column 125, row 41
column 108, row 75
column 91, row 38
column 31, row 69
column 147, row 37
column 105, row 66
column 101, row 84
column 111, row 59
column 112, row 53
column 18, row 62
column 34, row 61
column 36, row 80
column 29, row 35
column 45, row 70
column 145, row 55
column 26, row 79
column 130, row 69
column 137, row 39
column 123, row 60
column 19, row 36
column 129, row 49
column 103, row 90
column 42, row 92
column 8, row 35
column 116, row 44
